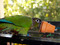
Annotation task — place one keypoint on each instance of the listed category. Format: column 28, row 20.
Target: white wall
column 1, row 9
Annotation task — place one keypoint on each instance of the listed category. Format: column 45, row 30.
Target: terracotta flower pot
column 46, row 27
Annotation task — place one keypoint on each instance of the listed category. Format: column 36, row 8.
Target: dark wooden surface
column 26, row 40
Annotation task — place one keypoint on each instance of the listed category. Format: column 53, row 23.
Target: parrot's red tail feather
column 1, row 28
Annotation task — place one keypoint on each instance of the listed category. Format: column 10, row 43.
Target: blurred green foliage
column 43, row 9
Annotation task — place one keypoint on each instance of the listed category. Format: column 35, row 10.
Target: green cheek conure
column 18, row 23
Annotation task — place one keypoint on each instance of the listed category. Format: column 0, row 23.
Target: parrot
column 18, row 24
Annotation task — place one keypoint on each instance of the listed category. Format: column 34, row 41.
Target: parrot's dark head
column 36, row 22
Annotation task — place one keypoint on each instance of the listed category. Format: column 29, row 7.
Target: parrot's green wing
column 20, row 20
column 22, row 23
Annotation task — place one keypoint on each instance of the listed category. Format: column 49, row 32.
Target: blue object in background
column 27, row 34
column 57, row 28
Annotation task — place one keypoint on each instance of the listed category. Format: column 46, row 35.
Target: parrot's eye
column 37, row 21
